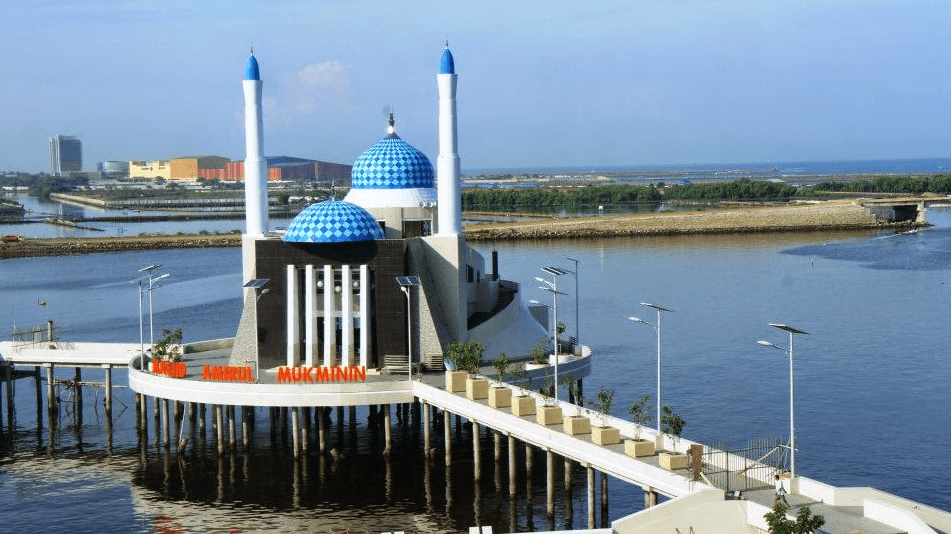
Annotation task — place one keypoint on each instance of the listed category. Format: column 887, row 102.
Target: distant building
column 152, row 170
column 114, row 169
column 66, row 155
column 192, row 167
column 286, row 168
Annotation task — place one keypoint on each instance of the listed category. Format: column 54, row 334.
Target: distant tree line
column 939, row 184
column 41, row 185
column 540, row 197
column 743, row 189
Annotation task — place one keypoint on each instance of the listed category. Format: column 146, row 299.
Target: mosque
column 383, row 276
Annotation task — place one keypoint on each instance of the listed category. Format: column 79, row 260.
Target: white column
column 449, row 213
column 293, row 318
column 365, row 315
column 310, row 315
column 255, row 172
column 346, row 316
column 330, row 322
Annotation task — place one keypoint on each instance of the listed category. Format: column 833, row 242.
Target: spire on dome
column 251, row 68
column 391, row 127
column 446, row 65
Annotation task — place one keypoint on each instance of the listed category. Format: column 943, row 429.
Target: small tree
column 539, row 353
column 465, row 356
column 520, row 378
column 605, row 398
column 571, row 384
column 547, row 390
column 671, row 424
column 640, row 413
column 169, row 348
column 501, row 364
column 805, row 522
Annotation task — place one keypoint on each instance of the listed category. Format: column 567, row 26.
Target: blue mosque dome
column 333, row 221
column 392, row 164
column 446, row 65
column 251, row 69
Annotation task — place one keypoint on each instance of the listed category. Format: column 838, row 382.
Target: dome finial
column 391, row 126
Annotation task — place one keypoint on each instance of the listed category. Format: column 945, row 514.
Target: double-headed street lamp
column 552, row 287
column 792, row 421
column 405, row 283
column 656, row 326
column 577, row 300
column 152, row 280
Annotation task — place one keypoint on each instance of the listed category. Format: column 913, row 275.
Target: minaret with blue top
column 255, row 168
column 449, row 218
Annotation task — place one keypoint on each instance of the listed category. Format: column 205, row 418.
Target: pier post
column 246, row 426
column 476, row 453
column 529, row 468
column 165, row 423
column 77, row 378
column 232, row 438
column 294, row 431
column 447, row 440
column 9, row 379
column 305, row 429
column 39, row 396
column 321, row 430
column 550, row 483
column 513, row 479
column 219, row 427
column 426, row 434
column 567, row 476
column 108, row 399
column 50, row 394
column 604, row 499
column 590, row 497
column 387, row 430
column 201, row 418
column 353, row 416
column 497, row 442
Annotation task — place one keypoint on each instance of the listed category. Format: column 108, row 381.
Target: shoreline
column 806, row 217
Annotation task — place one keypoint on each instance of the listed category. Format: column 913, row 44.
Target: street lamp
column 406, row 282
column 792, row 421
column 656, row 326
column 577, row 300
column 152, row 280
column 552, row 287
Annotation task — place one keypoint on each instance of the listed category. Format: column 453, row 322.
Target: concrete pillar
column 330, row 321
column 232, row 430
column 365, row 315
column 321, row 430
column 292, row 318
column 426, row 431
column 305, row 429
column 529, row 468
column 108, row 391
column 50, row 394
column 590, row 497
column 165, row 431
column 294, row 431
column 245, row 426
column 550, row 483
column 476, row 453
column 604, row 499
column 513, row 479
column 77, row 378
column 219, row 425
column 387, row 430
column 447, row 440
column 346, row 316
column 9, row 380
column 310, row 315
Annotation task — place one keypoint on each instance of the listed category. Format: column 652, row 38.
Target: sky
column 541, row 84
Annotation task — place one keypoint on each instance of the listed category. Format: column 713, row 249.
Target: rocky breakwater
column 745, row 218
column 64, row 247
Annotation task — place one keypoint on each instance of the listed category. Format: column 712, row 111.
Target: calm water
column 871, row 383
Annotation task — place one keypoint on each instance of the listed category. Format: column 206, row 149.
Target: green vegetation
column 915, row 185
column 605, row 398
column 671, row 423
column 639, row 414
column 540, row 197
column 501, row 364
column 805, row 522
column 465, row 356
column 744, row 189
column 169, row 348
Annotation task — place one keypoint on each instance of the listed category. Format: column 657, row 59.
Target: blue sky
column 541, row 84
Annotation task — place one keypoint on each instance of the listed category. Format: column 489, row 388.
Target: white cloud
column 315, row 89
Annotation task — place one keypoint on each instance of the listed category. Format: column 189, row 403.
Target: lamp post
column 152, row 280
column 656, row 326
column 552, row 287
column 577, row 300
column 792, row 420
column 406, row 282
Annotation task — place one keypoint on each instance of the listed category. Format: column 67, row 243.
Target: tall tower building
column 449, row 219
column 255, row 166
column 66, row 154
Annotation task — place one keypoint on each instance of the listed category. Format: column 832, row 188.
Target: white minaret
column 255, row 172
column 449, row 205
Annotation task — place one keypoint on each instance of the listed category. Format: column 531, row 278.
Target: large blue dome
column 392, row 164
column 333, row 221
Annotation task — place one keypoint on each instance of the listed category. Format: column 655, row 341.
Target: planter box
column 456, row 381
column 635, row 448
column 523, row 405
column 500, row 397
column 605, row 435
column 548, row 415
column 576, row 425
column 674, row 460
column 477, row 388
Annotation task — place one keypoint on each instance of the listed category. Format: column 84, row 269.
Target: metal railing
column 744, row 469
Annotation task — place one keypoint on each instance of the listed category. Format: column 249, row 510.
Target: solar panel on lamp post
column 405, row 283
column 792, row 388
column 552, row 287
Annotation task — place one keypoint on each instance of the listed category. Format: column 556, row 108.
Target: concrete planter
column 673, row 460
column 605, row 435
column 456, row 381
column 635, row 448
column 477, row 388
column 576, row 425
column 500, row 397
column 548, row 415
column 523, row 405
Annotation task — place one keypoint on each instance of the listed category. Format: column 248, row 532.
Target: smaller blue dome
column 333, row 221
column 251, row 69
column 446, row 65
